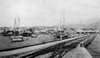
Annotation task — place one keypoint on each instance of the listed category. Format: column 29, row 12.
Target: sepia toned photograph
column 49, row 28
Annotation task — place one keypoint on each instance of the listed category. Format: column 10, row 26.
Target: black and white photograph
column 49, row 28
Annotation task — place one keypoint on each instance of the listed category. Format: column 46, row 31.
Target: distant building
column 87, row 31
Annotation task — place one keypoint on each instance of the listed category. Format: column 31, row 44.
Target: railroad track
column 37, row 50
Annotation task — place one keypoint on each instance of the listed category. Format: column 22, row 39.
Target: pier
column 55, row 48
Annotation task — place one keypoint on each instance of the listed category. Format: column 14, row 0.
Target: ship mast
column 16, row 23
column 63, row 20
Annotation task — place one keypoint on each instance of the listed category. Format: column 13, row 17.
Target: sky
column 48, row 12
